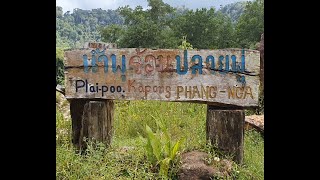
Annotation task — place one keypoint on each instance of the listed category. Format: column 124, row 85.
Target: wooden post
column 92, row 120
column 225, row 129
column 261, row 48
column 76, row 111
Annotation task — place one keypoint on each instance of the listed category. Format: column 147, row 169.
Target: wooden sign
column 224, row 76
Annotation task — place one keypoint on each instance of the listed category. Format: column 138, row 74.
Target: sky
column 69, row 5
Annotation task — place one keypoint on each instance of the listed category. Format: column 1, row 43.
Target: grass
column 253, row 167
column 125, row 158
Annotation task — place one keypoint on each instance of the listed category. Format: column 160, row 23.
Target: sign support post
column 91, row 119
column 227, row 80
column 225, row 130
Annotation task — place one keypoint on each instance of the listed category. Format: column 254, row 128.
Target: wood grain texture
column 156, row 75
column 76, row 112
column 225, row 130
column 262, row 62
column 91, row 120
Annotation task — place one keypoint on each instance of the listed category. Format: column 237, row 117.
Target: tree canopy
column 73, row 29
column 237, row 25
column 251, row 24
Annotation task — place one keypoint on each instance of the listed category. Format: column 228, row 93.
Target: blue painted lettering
column 210, row 57
column 197, row 66
column 104, row 58
column 185, row 64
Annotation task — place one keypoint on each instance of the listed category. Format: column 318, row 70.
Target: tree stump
column 92, row 120
column 225, row 130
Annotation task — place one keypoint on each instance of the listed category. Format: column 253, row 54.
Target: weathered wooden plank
column 92, row 120
column 150, row 61
column 76, row 112
column 225, row 130
column 262, row 62
column 164, row 74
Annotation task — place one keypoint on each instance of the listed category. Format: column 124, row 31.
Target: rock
column 63, row 105
column 195, row 167
column 60, row 89
column 256, row 122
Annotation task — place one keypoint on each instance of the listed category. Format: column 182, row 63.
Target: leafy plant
column 160, row 149
column 185, row 45
column 59, row 66
column 120, row 162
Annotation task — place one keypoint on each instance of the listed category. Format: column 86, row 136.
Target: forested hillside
column 234, row 10
column 74, row 28
column 237, row 25
column 151, row 138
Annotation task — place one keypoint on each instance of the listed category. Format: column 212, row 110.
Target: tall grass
column 182, row 120
column 126, row 159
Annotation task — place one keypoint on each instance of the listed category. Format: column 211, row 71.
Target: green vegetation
column 79, row 26
column 134, row 152
column 162, row 26
column 234, row 10
column 237, row 25
column 59, row 66
column 127, row 158
column 250, row 25
column 160, row 149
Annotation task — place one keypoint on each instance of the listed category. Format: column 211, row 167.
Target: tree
column 147, row 28
column 204, row 28
column 251, row 24
column 59, row 66
column 83, row 25
column 225, row 32
column 234, row 10
column 111, row 33
column 159, row 10
column 59, row 12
